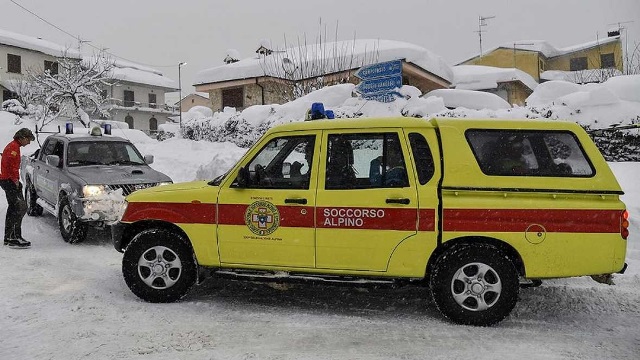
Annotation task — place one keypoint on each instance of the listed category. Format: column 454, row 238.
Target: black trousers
column 15, row 211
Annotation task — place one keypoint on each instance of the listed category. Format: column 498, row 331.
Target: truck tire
column 474, row 285
column 30, row 196
column 159, row 266
column 72, row 230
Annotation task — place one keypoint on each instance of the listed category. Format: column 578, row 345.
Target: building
column 137, row 96
column 589, row 62
column 195, row 99
column 512, row 85
column 274, row 76
column 20, row 53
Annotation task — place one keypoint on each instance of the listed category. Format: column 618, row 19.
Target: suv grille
column 129, row 188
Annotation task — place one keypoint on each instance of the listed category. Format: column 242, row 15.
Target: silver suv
column 82, row 179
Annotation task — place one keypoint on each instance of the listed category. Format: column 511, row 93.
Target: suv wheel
column 71, row 229
column 30, row 196
column 159, row 266
column 474, row 285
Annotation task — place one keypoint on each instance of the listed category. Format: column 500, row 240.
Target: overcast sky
column 162, row 33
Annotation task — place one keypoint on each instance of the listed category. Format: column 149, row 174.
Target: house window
column 103, row 93
column 153, row 125
column 14, row 64
column 152, row 101
column 541, row 65
column 51, row 67
column 128, row 98
column 129, row 120
column 607, row 61
column 576, row 64
column 232, row 98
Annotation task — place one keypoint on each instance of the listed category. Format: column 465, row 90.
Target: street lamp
column 180, row 92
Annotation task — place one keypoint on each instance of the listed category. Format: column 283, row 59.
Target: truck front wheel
column 30, row 196
column 159, row 266
column 71, row 229
column 474, row 285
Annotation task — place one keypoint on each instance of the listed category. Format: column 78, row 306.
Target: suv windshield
column 103, row 153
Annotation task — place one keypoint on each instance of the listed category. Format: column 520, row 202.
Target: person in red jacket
column 10, row 183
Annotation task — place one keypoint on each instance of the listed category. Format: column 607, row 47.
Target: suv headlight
column 93, row 190
column 165, row 183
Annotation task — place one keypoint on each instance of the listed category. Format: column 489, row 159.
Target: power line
column 80, row 41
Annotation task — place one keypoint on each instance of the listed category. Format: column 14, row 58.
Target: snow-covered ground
column 61, row 301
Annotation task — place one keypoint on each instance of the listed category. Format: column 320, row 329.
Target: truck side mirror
column 148, row 159
column 243, row 179
column 53, row 160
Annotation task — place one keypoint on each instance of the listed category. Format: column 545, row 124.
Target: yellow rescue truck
column 470, row 208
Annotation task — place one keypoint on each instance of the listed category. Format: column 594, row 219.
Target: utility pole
column 482, row 21
column 180, row 93
column 80, row 42
column 625, row 57
column 514, row 51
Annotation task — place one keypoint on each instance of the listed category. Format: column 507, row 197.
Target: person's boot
column 18, row 243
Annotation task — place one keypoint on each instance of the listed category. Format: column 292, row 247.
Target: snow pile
column 479, row 77
column 476, row 100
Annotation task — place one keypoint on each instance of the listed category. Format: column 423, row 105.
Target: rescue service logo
column 262, row 218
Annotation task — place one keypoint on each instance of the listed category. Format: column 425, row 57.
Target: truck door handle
column 403, row 201
column 295, row 201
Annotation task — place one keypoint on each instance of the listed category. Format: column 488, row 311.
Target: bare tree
column 632, row 66
column 305, row 67
column 75, row 89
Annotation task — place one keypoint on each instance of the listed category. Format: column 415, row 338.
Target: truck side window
column 422, row 156
column 283, row 163
column 48, row 149
column 361, row 161
column 529, row 153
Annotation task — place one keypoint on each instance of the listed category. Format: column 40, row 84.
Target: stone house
column 273, row 76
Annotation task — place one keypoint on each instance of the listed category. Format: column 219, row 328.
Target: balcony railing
column 140, row 105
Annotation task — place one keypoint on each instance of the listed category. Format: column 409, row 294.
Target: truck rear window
column 529, row 153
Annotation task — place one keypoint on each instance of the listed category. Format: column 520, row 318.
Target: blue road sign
column 383, row 97
column 385, row 69
column 379, row 85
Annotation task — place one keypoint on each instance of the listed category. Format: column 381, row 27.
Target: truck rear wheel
column 71, row 229
column 159, row 266
column 474, row 285
column 30, row 196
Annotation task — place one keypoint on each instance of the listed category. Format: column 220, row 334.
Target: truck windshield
column 102, row 153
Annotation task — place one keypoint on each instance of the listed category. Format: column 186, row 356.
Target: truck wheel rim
column 476, row 286
column 159, row 267
column 66, row 218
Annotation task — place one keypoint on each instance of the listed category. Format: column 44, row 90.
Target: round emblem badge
column 262, row 218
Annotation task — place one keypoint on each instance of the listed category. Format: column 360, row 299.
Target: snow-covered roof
column 37, row 44
column 124, row 70
column 338, row 56
column 549, row 50
column 478, row 77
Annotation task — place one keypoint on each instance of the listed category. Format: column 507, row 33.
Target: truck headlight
column 93, row 190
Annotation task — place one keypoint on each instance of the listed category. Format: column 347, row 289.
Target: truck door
column 367, row 200
column 46, row 177
column 265, row 214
